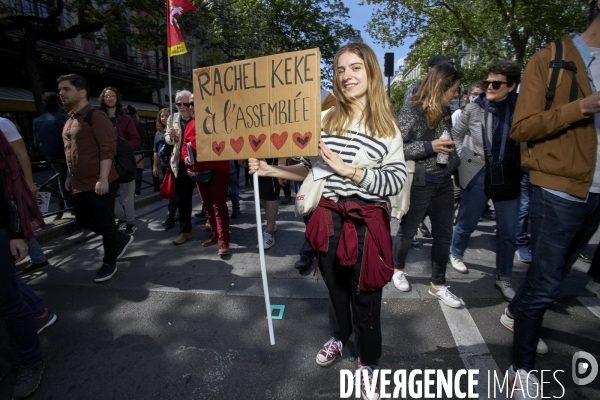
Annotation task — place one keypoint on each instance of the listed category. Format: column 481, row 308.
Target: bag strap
column 556, row 69
column 88, row 116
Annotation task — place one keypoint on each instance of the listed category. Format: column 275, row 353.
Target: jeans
column 234, row 188
column 214, row 198
column 97, row 214
column 437, row 201
column 185, row 190
column 126, row 211
column 61, row 169
column 36, row 254
column 522, row 237
column 35, row 303
column 472, row 204
column 14, row 310
column 560, row 230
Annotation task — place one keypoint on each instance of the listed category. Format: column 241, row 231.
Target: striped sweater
column 381, row 158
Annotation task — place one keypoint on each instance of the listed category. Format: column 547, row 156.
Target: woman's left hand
column 334, row 160
column 187, row 161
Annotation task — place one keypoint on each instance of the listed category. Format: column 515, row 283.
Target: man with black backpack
column 557, row 119
column 90, row 149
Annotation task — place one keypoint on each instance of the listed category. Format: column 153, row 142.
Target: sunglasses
column 495, row 84
column 191, row 104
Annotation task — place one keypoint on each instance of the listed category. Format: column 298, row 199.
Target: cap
column 438, row 59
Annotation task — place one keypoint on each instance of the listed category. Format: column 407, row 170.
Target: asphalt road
column 182, row 323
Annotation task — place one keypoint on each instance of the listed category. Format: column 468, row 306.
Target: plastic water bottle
column 441, row 157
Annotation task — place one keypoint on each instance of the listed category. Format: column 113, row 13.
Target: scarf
column 17, row 192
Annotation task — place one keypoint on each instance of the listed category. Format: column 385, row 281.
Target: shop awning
column 12, row 100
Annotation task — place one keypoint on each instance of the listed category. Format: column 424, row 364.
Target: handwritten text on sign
column 263, row 107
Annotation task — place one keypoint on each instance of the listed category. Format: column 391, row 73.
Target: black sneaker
column 130, row 229
column 28, row 379
column 489, row 215
column 415, row 243
column 127, row 239
column 235, row 213
column 169, row 222
column 105, row 272
column 121, row 225
column 201, row 214
column 585, row 259
column 424, row 230
column 44, row 320
column 32, row 268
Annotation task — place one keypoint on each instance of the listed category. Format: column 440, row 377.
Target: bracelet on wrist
column 352, row 177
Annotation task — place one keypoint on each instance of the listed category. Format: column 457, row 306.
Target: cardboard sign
column 261, row 108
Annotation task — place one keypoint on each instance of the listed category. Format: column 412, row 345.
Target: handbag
column 168, row 190
column 200, row 176
column 309, row 195
column 404, row 195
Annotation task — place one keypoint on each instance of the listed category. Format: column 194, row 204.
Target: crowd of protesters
column 534, row 156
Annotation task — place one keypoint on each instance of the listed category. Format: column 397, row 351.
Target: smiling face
column 352, row 76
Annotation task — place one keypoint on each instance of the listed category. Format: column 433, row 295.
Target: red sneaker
column 369, row 386
column 329, row 352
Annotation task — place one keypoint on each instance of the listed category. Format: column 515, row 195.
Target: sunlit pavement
column 182, row 322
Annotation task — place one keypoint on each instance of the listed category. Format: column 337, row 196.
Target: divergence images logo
column 584, row 364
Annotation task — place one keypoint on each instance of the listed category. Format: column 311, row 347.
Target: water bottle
column 443, row 158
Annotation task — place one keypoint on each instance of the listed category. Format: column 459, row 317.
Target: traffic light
column 388, row 66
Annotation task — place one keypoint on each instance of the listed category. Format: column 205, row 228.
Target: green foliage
column 397, row 93
column 491, row 29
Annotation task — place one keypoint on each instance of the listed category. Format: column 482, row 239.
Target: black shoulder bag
column 501, row 183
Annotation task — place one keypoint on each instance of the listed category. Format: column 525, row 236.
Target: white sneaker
column 458, row 265
column 508, row 322
column 445, row 296
column 506, row 288
column 593, row 287
column 523, row 385
column 400, row 281
column 268, row 240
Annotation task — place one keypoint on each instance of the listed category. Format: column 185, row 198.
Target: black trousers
column 185, row 190
column 594, row 271
column 97, row 214
column 349, row 307
column 437, row 201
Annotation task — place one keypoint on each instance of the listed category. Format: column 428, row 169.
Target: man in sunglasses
column 560, row 148
column 175, row 128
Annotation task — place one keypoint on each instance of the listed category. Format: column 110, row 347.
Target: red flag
column 175, row 44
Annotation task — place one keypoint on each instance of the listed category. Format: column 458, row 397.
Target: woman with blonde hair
column 361, row 145
column 427, row 140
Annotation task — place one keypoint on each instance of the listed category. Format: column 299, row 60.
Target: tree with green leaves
column 478, row 31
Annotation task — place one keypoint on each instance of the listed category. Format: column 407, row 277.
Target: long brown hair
column 377, row 114
column 119, row 106
column 429, row 96
column 159, row 124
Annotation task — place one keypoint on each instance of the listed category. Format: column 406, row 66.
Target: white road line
column 471, row 346
column 592, row 304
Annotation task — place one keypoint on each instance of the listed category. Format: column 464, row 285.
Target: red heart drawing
column 237, row 144
column 301, row 140
column 256, row 142
column 218, row 147
column 279, row 140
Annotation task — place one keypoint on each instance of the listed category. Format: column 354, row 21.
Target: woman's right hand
column 444, row 146
column 256, row 165
column 155, row 171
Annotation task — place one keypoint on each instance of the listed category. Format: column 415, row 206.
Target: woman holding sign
column 362, row 162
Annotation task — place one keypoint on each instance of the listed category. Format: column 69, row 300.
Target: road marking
column 592, row 304
column 471, row 346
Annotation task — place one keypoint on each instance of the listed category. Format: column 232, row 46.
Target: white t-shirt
column 10, row 130
column 456, row 115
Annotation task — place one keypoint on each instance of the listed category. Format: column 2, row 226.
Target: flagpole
column 170, row 93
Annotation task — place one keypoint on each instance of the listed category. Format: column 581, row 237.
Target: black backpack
column 124, row 159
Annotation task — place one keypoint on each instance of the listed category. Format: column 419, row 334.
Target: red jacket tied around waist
column 377, row 263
